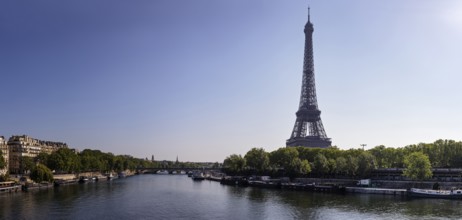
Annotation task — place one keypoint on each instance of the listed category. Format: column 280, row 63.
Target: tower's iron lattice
column 308, row 129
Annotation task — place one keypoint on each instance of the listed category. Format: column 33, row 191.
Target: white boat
column 431, row 193
column 9, row 186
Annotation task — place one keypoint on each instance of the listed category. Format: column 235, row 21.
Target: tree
column 258, row 159
column 352, row 165
column 64, row 160
column 119, row 164
column 332, row 166
column 304, row 167
column 418, row 166
column 366, row 163
column 284, row 157
column 42, row 158
column 321, row 164
column 234, row 164
column 340, row 165
column 27, row 164
column 41, row 173
column 288, row 159
column 378, row 153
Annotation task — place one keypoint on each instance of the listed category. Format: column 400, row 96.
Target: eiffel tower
column 308, row 129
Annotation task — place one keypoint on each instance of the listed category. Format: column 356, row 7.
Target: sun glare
column 452, row 15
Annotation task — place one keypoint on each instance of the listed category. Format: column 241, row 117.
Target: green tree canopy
column 284, row 157
column 258, row 159
column 288, row 158
column 341, row 165
column 42, row 158
column 321, row 164
column 305, row 167
column 366, row 163
column 352, row 165
column 418, row 166
column 332, row 166
column 41, row 173
column 64, row 160
column 27, row 164
column 234, row 163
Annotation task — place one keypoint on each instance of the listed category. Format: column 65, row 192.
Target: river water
column 179, row 197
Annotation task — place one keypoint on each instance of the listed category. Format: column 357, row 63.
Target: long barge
column 437, row 194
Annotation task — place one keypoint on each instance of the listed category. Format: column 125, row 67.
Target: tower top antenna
column 308, row 13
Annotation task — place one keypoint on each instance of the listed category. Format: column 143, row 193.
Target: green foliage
column 351, row 165
column 366, row 163
column 288, row 159
column 360, row 163
column 92, row 160
column 64, row 160
column 258, row 159
column 284, row 157
column 341, row 165
column 321, row 164
column 27, row 164
column 441, row 153
column 305, row 167
column 418, row 166
column 332, row 166
column 42, row 158
column 379, row 153
column 234, row 164
column 41, row 173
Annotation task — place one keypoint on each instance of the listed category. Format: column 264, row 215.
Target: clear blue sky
column 205, row 79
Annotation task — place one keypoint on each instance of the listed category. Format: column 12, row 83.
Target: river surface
column 179, row 197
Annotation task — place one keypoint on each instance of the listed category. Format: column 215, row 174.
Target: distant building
column 25, row 146
column 5, row 153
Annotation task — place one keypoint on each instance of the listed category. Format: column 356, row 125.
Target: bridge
column 144, row 170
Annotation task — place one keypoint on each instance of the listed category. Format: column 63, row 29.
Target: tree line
column 66, row 160
column 417, row 160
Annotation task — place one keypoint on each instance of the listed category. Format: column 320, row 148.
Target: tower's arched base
column 309, row 142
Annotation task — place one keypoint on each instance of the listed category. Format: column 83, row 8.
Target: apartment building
column 21, row 146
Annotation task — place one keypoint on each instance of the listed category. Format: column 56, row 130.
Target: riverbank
column 25, row 184
column 381, row 187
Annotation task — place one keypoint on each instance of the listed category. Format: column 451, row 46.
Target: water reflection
column 178, row 197
column 256, row 194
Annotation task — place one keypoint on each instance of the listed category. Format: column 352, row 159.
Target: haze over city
column 205, row 79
